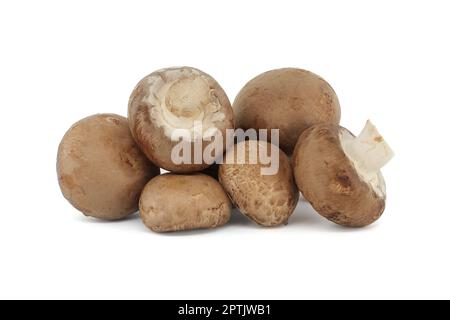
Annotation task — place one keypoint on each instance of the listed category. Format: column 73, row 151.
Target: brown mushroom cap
column 101, row 171
column 268, row 200
column 173, row 98
column 329, row 181
column 173, row 202
column 287, row 99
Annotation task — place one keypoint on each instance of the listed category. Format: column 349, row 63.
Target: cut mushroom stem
column 368, row 151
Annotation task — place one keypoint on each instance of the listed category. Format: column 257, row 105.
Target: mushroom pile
column 180, row 120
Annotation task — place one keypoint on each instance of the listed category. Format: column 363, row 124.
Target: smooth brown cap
column 288, row 99
column 174, row 202
column 101, row 171
column 329, row 181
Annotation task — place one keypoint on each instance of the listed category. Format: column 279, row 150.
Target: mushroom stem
column 369, row 150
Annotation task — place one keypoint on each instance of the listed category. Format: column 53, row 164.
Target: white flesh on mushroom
column 181, row 98
column 368, row 153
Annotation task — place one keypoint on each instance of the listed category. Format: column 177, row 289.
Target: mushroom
column 267, row 199
column 176, row 104
column 101, row 170
column 339, row 174
column 174, row 202
column 290, row 100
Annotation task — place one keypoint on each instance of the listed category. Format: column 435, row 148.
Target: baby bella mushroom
column 101, row 170
column 174, row 202
column 177, row 105
column 339, row 174
column 267, row 198
column 288, row 99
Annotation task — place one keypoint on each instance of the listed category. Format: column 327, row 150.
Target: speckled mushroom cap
column 268, row 200
column 178, row 98
column 174, row 202
column 101, row 171
column 288, row 99
column 329, row 181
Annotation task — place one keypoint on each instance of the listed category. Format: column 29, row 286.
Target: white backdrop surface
column 63, row 60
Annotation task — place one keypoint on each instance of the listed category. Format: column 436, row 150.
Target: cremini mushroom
column 101, row 170
column 267, row 199
column 179, row 104
column 174, row 202
column 290, row 100
column 339, row 174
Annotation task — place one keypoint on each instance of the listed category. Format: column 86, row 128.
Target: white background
column 61, row 61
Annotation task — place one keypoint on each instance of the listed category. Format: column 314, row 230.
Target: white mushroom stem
column 369, row 151
column 184, row 104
